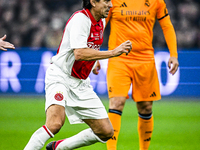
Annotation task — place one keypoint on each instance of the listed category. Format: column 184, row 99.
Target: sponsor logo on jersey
column 153, row 94
column 123, row 5
column 135, row 15
column 110, row 89
column 93, row 46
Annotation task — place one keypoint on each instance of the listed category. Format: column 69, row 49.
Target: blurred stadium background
column 35, row 27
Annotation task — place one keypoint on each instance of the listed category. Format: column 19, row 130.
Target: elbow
column 77, row 55
column 78, row 58
column 82, row 55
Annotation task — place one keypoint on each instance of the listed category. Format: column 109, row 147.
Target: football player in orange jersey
column 134, row 20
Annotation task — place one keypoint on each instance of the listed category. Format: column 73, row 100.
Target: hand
column 174, row 62
column 4, row 45
column 123, row 48
column 96, row 68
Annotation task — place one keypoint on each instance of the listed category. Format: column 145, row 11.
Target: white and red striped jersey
column 81, row 31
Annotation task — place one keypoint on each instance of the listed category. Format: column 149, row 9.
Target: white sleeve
column 79, row 31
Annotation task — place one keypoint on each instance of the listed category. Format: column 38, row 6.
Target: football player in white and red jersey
column 67, row 85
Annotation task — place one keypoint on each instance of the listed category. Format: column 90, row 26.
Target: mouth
column 107, row 11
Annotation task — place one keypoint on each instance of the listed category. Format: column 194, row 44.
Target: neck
column 95, row 15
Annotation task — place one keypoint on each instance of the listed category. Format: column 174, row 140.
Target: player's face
column 102, row 8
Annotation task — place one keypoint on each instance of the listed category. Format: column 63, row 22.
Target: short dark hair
column 87, row 4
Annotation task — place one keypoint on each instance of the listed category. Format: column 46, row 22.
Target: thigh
column 118, row 79
column 55, row 112
column 145, row 85
column 56, row 94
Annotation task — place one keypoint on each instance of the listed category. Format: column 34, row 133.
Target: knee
column 109, row 134
column 105, row 134
column 55, row 118
column 148, row 109
column 144, row 107
column 117, row 103
column 54, row 127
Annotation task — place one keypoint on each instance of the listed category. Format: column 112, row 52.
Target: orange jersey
column 134, row 20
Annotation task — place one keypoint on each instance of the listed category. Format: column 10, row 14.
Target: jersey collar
column 88, row 13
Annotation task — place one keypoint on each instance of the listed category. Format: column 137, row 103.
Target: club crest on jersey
column 147, row 3
column 59, row 96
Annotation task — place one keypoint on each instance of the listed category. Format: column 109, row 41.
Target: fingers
column 95, row 72
column 127, row 52
column 4, row 37
column 96, row 68
column 174, row 68
column 128, row 46
column 173, row 65
column 123, row 48
column 3, row 49
column 169, row 64
column 4, row 45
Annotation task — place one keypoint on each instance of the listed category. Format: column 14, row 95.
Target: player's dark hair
column 87, row 4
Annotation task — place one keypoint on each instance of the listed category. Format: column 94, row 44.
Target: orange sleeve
column 161, row 10
column 167, row 28
column 170, row 36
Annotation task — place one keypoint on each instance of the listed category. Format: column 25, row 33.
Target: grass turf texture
column 176, row 124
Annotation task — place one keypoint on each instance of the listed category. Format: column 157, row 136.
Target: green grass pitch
column 176, row 124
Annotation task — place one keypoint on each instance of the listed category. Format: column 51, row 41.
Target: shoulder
column 79, row 21
column 160, row 2
column 80, row 17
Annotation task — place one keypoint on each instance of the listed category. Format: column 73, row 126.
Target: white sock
column 39, row 138
column 83, row 138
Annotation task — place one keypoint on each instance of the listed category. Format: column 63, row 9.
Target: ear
column 93, row 3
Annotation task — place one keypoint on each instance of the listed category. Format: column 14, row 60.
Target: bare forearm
column 88, row 54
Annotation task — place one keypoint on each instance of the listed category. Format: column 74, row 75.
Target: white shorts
column 76, row 95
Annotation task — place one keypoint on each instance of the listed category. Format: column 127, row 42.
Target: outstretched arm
column 89, row 54
column 4, row 44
